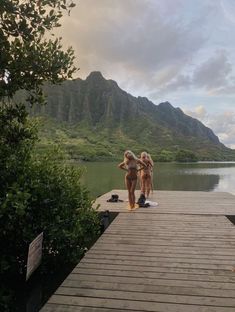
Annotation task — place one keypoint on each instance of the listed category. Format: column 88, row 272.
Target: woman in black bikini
column 146, row 174
column 130, row 164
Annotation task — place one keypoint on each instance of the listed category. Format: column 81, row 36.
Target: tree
column 185, row 156
column 165, row 156
column 27, row 57
column 38, row 193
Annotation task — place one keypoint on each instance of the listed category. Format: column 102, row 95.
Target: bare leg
column 148, row 182
column 133, row 186
column 144, row 186
column 128, row 186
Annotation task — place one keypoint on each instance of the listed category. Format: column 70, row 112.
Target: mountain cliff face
column 100, row 104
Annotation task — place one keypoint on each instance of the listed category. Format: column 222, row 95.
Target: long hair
column 130, row 153
column 143, row 154
column 150, row 159
column 151, row 162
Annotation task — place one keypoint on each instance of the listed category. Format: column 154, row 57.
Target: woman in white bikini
column 146, row 174
column 130, row 164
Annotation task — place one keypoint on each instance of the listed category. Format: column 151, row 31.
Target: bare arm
column 150, row 165
column 143, row 165
column 122, row 166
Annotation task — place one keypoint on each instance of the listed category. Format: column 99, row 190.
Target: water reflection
column 203, row 176
column 192, row 182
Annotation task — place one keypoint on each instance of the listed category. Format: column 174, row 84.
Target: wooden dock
column 176, row 257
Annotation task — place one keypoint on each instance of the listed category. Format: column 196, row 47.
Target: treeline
column 179, row 156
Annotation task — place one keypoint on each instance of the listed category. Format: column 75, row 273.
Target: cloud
column 213, row 73
column 228, row 8
column 141, row 40
column 228, row 90
column 180, row 82
column 222, row 124
column 199, row 112
column 212, row 76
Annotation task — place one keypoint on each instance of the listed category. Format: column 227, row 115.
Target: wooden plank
column 108, row 266
column 162, row 264
column 151, row 281
column 135, row 304
column 71, row 308
column 177, row 257
column 155, row 268
column 161, row 259
column 155, row 289
column 157, row 275
column 167, row 242
column 171, row 250
column 153, row 255
column 178, row 202
column 144, row 296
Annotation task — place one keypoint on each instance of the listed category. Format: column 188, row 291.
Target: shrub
column 185, row 156
column 39, row 193
column 165, row 156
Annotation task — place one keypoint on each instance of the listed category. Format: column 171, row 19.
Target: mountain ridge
column 99, row 104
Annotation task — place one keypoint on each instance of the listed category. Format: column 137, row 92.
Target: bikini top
column 148, row 167
column 132, row 165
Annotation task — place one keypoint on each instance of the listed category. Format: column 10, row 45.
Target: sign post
column 34, row 255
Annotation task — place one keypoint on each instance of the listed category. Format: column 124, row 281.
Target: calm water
column 101, row 177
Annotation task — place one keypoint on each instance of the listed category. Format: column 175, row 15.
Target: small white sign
column 34, row 255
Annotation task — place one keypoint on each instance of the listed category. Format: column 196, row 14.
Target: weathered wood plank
column 171, row 249
column 149, row 281
column 132, row 295
column 157, row 275
column 108, row 266
column 177, row 202
column 151, row 254
column 177, row 257
column 136, row 304
column 71, row 308
column 155, row 289
column 164, row 264
column 161, row 259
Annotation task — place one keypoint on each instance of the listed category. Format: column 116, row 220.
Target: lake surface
column 101, row 177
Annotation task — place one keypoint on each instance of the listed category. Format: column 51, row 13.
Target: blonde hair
column 150, row 159
column 143, row 154
column 131, row 153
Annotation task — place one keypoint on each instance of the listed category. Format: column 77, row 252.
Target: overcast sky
column 181, row 51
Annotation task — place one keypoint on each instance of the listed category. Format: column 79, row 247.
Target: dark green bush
column 39, row 193
column 185, row 156
column 165, row 156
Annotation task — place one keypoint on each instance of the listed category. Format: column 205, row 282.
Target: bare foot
column 129, row 207
column 135, row 207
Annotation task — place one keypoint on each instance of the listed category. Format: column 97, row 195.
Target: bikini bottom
column 131, row 178
column 146, row 176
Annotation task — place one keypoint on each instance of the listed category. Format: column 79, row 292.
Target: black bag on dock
column 114, row 199
column 141, row 200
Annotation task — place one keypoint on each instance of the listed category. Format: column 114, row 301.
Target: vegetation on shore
column 39, row 192
column 82, row 142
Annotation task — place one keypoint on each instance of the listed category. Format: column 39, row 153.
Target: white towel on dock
column 151, row 203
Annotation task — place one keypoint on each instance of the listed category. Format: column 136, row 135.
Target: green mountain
column 94, row 118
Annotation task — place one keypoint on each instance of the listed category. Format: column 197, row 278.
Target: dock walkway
column 176, row 257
